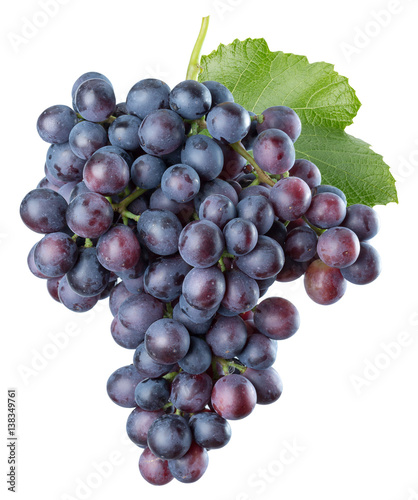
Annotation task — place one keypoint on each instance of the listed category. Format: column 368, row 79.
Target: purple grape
column 55, row 123
column 43, row 211
column 106, row 173
column 191, row 467
column 121, row 109
column 147, row 171
column 282, row 118
column 161, row 132
column 241, row 236
column 259, row 352
column 363, row 220
column 204, row 155
column 139, row 312
column 338, row 247
column 52, row 285
column 87, row 76
column 242, row 292
column 234, row 163
column 63, row 164
column 121, row 386
column 366, row 268
column 219, row 186
column 170, row 437
column 146, row 96
column 66, row 190
column 190, row 99
column 268, row 384
column 191, row 393
column 118, row 249
column 159, row 201
column 218, row 209
column 138, row 424
column 291, row 198
column 228, row 122
column 198, row 358
column 32, row 266
column 257, row 190
column 72, row 300
column 79, row 188
column 325, row 188
column 164, row 277
column 89, row 215
column 276, row 318
column 88, row 277
column 307, row 171
column 301, row 244
column 159, row 231
column 326, row 210
column 204, row 288
column 55, row 254
column 201, row 243
column 152, row 394
column 218, row 92
column 274, row 151
column 196, row 315
column 210, row 430
column 291, row 270
column 227, row 336
column 264, row 261
column 197, row 328
column 167, row 341
column 45, row 183
column 147, row 366
column 134, row 285
column 234, row 397
column 117, row 296
column 154, row 469
column 129, row 339
column 324, row 285
column 86, row 138
column 95, row 100
column 180, row 183
column 124, row 132
column 258, row 210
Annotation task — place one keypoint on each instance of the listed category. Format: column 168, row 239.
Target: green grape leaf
column 349, row 164
column 325, row 102
column 259, row 78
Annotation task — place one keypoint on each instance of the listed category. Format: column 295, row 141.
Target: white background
column 350, row 441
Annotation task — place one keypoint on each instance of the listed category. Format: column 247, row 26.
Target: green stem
column 262, row 176
column 170, row 376
column 130, row 215
column 194, row 67
column 167, row 406
column 169, row 310
column 317, row 230
column 221, row 263
column 88, row 243
column 74, row 237
column 121, row 207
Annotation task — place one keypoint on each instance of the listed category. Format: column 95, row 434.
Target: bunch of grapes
column 157, row 204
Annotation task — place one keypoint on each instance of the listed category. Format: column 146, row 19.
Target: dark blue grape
column 258, row 210
column 241, row 236
column 169, row 437
column 210, row 430
column 117, row 296
column 129, row 339
column 140, row 311
column 138, row 424
column 218, row 92
column 264, row 261
column 242, row 292
column 121, row 386
column 197, row 328
column 95, row 100
column 218, row 209
column 259, row 352
column 154, row 469
column 159, row 231
column 190, row 99
column 146, row 96
column 228, row 122
column 87, row 76
column 124, row 132
column 204, row 155
column 152, row 394
column 227, row 336
column 267, row 383
column 147, row 366
column 118, row 250
column 204, row 288
column 366, row 268
column 164, row 277
column 161, row 132
column 88, row 277
column 307, row 171
column 167, row 341
column 191, row 393
column 73, row 301
column 282, row 118
column 55, row 123
column 198, row 358
column 55, row 254
column 86, row 138
column 301, row 244
column 63, row 164
column 191, row 467
column 89, row 215
column 43, row 211
column 249, row 139
column 326, row 210
column 363, row 220
column 180, row 183
column 325, row 188
column 146, row 171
